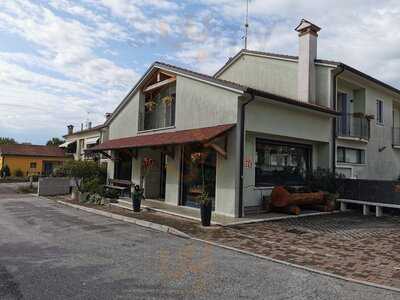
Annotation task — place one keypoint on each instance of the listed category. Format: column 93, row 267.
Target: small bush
column 5, row 171
column 323, row 180
column 83, row 172
column 19, row 173
column 26, row 189
column 111, row 193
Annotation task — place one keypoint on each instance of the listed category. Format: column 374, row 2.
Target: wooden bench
column 366, row 205
column 119, row 184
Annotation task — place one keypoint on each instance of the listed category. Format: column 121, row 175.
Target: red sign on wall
column 248, row 163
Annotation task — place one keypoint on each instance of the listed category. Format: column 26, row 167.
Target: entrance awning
column 92, row 140
column 200, row 135
column 66, row 144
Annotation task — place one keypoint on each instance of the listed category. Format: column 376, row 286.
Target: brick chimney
column 306, row 81
column 70, row 129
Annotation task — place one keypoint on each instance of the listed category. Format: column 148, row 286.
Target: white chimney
column 306, row 81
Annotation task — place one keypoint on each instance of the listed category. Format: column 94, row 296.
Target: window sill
column 156, row 129
column 344, row 164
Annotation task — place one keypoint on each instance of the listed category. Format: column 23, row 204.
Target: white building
column 261, row 118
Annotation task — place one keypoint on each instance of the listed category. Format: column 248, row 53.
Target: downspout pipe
column 340, row 69
column 241, row 156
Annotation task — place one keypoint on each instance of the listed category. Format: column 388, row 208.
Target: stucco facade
column 281, row 121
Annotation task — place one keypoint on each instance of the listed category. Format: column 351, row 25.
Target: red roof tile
column 165, row 138
column 32, row 150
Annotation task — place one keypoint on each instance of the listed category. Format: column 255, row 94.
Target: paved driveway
column 365, row 248
column 48, row 251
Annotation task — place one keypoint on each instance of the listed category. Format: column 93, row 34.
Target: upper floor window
column 159, row 102
column 379, row 112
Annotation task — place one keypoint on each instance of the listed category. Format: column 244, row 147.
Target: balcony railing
column 396, row 136
column 353, row 126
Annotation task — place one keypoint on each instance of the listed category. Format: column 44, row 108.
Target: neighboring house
column 31, row 159
column 263, row 119
column 78, row 142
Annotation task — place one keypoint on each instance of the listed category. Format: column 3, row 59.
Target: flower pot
column 205, row 212
column 75, row 194
column 136, row 201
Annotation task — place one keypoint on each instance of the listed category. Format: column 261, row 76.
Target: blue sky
column 66, row 61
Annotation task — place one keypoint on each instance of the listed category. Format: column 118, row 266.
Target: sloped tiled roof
column 32, row 150
column 165, row 138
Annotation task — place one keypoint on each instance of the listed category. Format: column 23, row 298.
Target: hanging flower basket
column 150, row 106
column 167, row 100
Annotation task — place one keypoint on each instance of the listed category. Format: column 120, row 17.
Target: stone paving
column 346, row 244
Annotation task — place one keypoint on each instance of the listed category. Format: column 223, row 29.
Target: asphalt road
column 48, row 251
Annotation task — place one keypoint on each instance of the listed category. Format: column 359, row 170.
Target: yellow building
column 31, row 159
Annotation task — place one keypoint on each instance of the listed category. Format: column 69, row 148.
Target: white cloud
column 79, row 52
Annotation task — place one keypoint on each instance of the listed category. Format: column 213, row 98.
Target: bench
column 366, row 205
column 119, row 185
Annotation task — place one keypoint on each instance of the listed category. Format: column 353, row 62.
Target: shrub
column 111, row 193
column 83, row 172
column 5, row 171
column 26, row 189
column 323, row 180
column 19, row 173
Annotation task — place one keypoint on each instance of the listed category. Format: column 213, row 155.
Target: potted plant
column 138, row 192
column 150, row 105
column 167, row 100
column 205, row 209
column 137, row 197
column 205, row 200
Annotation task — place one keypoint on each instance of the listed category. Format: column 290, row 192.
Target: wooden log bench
column 120, row 185
column 366, row 205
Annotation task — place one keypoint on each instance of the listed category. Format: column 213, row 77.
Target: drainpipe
column 241, row 158
column 335, row 76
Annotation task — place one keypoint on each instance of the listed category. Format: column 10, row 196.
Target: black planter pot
column 136, row 202
column 205, row 211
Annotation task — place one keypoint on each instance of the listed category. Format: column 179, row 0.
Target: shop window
column 281, row 163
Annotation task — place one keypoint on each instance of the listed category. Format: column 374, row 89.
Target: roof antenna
column 246, row 25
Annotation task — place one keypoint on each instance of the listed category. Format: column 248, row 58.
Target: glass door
column 199, row 169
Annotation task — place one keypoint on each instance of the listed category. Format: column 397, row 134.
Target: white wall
column 226, row 194
column 173, row 177
column 382, row 160
column 285, row 120
column 201, row 105
column 277, row 76
column 125, row 124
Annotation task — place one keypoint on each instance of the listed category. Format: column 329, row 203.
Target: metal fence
column 379, row 191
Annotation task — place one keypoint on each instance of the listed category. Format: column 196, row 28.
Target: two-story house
column 78, row 142
column 263, row 119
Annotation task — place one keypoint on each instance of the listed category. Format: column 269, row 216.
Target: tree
column 55, row 141
column 7, row 141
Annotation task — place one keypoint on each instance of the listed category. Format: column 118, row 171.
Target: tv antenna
column 246, row 25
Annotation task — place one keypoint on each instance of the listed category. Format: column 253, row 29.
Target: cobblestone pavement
column 346, row 244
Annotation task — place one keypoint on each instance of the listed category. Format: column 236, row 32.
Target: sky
column 69, row 61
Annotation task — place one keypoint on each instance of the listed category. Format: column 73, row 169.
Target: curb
column 348, row 279
column 142, row 223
